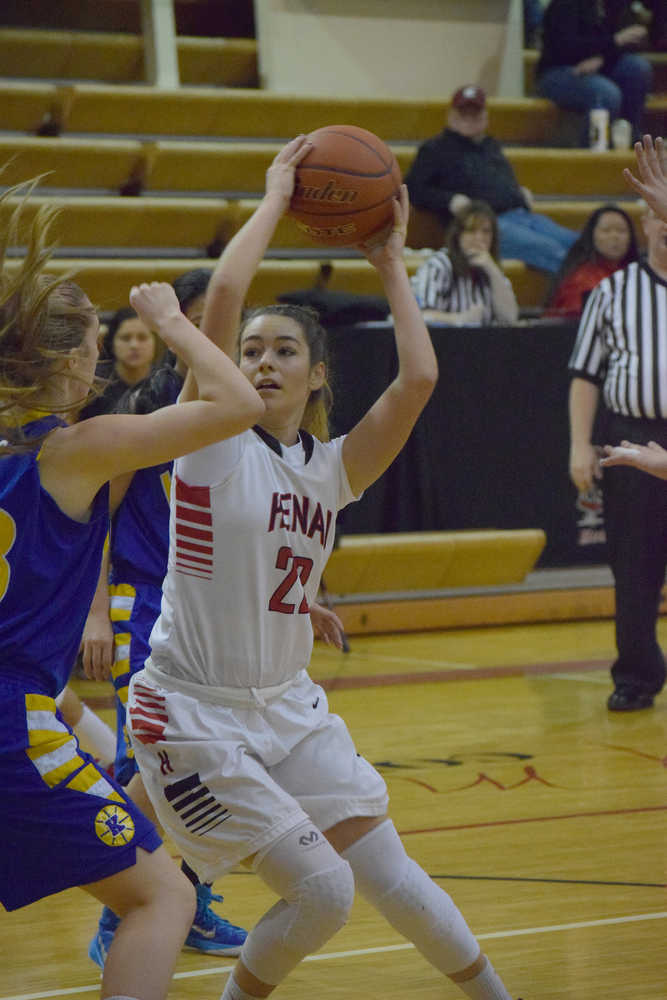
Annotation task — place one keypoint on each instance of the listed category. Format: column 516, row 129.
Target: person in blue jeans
column 462, row 163
column 532, row 22
column 588, row 61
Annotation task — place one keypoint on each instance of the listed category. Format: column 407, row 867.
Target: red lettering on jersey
column 293, row 513
column 300, row 513
column 279, row 511
column 317, row 524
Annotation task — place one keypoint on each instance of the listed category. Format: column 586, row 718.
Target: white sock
column 485, row 986
column 233, row 991
column 96, row 737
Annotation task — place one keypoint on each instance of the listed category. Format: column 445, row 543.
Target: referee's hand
column 584, row 466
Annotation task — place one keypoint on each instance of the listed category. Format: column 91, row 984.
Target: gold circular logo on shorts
column 114, row 826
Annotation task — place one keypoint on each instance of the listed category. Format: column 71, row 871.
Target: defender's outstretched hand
column 649, row 457
column 652, row 169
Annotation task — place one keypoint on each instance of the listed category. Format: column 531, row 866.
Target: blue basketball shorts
column 64, row 821
column 134, row 609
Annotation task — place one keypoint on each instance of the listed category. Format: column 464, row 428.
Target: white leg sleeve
column 412, row 903
column 317, row 890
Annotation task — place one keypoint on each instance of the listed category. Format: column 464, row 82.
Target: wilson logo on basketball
column 327, row 193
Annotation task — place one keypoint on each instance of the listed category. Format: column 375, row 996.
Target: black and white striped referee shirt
column 622, row 342
column 436, row 287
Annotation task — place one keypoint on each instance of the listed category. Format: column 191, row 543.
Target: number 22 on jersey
column 298, row 568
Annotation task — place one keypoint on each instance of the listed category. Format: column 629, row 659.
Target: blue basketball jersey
column 140, row 529
column 140, row 526
column 43, row 609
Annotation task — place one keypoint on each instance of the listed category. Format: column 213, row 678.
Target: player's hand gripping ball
column 344, row 187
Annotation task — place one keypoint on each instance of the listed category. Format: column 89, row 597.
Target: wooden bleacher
column 205, row 111
column 75, row 109
column 115, row 57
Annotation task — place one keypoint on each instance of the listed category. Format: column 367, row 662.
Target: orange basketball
column 345, row 186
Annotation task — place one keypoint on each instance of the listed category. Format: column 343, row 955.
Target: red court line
column 459, row 673
column 534, row 819
column 424, row 677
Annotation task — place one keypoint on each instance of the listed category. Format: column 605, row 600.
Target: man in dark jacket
column 587, row 60
column 462, row 164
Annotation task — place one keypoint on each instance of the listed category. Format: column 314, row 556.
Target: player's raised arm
column 104, row 447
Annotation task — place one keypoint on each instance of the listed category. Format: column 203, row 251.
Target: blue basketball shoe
column 209, row 932
column 99, row 946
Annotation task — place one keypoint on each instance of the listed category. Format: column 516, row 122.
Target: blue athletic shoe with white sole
column 209, row 932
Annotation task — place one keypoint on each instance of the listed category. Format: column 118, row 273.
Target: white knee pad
column 317, row 889
column 412, row 902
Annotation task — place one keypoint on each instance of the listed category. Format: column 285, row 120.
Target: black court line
column 557, row 881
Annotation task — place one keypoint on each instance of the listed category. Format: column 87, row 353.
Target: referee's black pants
column 635, row 511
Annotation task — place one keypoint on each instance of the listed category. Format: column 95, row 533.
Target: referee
column 621, row 351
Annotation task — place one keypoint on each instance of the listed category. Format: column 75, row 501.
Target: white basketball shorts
column 227, row 781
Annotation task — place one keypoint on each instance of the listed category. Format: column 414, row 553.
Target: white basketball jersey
column 251, row 528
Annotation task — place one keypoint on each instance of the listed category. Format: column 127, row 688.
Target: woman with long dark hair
column 606, row 243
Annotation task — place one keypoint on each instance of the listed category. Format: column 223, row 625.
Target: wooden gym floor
column 541, row 813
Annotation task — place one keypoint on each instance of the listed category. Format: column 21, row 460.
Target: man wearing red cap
column 463, row 163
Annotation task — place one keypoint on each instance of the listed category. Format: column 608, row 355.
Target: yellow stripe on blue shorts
column 121, row 600
column 54, row 751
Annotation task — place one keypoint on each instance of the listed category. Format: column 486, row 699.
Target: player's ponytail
column 42, row 317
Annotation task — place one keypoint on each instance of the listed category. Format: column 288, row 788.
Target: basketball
column 344, row 187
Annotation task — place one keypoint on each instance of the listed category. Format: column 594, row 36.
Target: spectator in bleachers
column 588, row 61
column 463, row 283
column 464, row 163
column 129, row 351
column 607, row 243
column 652, row 13
column 532, row 22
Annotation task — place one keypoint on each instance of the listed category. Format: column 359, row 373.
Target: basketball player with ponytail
column 65, row 823
column 239, row 753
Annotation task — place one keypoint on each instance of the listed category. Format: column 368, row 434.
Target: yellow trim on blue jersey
column 165, row 479
column 19, row 418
